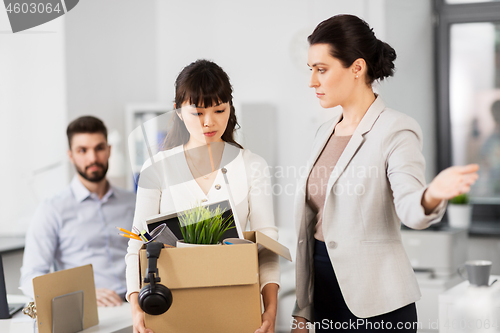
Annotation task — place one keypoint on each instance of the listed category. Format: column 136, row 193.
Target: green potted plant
column 459, row 212
column 201, row 225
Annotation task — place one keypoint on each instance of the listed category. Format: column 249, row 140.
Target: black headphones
column 154, row 299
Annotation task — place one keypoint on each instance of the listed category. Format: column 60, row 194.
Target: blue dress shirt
column 76, row 228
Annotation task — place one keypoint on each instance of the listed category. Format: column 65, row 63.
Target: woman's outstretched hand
column 448, row 184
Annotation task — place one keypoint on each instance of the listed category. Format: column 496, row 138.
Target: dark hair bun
column 384, row 65
column 351, row 38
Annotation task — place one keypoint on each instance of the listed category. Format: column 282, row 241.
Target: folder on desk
column 53, row 290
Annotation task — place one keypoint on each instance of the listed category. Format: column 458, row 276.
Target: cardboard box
column 215, row 288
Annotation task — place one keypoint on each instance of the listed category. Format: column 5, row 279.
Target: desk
column 110, row 319
column 462, row 305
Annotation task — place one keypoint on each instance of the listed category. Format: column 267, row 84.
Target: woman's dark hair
column 351, row 38
column 85, row 124
column 204, row 84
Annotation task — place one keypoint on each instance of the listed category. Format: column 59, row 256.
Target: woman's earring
column 356, row 76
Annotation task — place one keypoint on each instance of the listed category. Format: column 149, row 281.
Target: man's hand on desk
column 107, row 297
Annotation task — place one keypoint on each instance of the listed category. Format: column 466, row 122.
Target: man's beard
column 95, row 176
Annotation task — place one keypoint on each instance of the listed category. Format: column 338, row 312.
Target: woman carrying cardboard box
column 199, row 144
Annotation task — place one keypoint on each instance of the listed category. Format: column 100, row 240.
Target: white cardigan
column 166, row 186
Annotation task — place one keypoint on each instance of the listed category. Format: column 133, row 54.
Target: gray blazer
column 377, row 183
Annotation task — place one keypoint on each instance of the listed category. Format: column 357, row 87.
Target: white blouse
column 166, row 185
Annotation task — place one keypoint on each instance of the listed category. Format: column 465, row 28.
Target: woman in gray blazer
column 365, row 177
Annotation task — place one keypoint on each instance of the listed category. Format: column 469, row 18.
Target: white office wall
column 32, row 120
column 111, row 62
column 409, row 30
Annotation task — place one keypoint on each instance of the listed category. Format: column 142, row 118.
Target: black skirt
column 332, row 314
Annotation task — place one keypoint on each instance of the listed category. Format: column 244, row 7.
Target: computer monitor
column 6, row 309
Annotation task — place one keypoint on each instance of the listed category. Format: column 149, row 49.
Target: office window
column 468, row 99
column 475, row 103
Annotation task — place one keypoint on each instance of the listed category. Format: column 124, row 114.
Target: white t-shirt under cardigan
column 166, row 185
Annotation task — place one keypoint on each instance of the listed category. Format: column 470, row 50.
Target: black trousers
column 332, row 314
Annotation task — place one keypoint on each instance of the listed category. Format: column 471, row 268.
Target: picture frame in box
column 174, row 228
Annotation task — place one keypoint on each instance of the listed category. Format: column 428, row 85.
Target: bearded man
column 78, row 225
